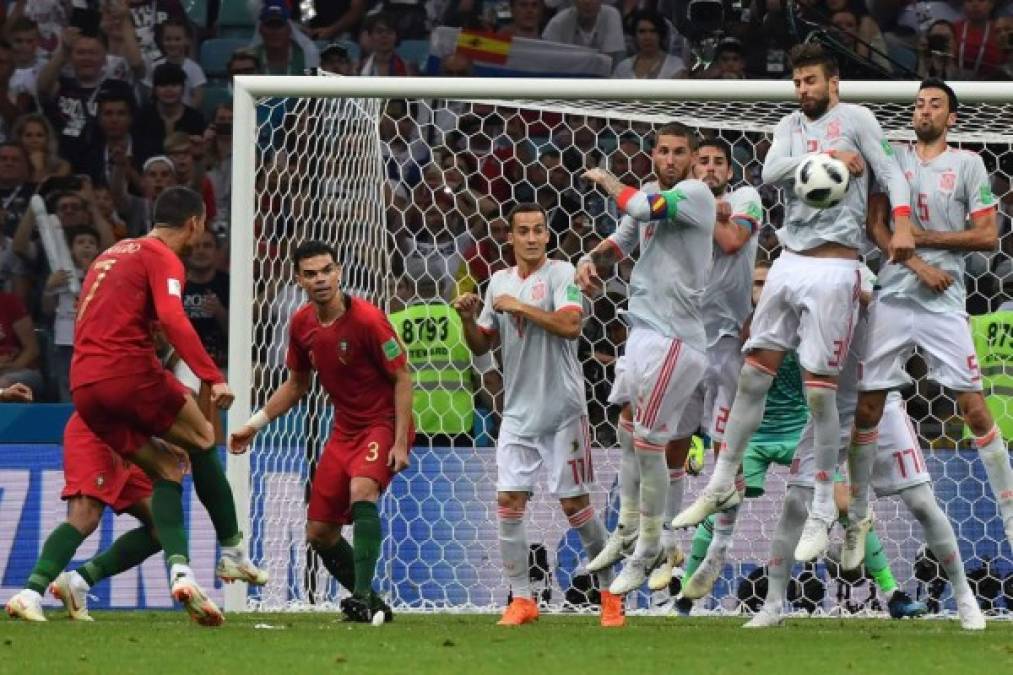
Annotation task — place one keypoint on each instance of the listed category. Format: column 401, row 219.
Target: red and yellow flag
column 484, row 47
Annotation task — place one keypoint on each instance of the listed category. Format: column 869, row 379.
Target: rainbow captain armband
column 643, row 206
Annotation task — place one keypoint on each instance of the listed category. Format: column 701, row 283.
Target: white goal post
column 710, row 104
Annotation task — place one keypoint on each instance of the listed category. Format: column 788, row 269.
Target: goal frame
column 247, row 88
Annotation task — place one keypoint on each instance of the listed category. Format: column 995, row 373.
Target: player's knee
column 573, row 505
column 204, row 435
column 321, row 536
column 364, row 490
column 975, row 412
column 869, row 410
column 796, row 502
column 516, row 501
column 754, row 381
column 84, row 514
column 822, row 400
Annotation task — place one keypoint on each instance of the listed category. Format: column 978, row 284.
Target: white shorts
column 621, row 393
column 711, row 402
column 896, row 328
column 664, row 373
column 566, row 455
column 809, row 305
column 899, row 462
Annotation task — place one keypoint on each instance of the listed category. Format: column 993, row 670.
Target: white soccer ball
column 821, row 181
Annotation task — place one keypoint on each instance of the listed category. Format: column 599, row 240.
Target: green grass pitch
column 166, row 642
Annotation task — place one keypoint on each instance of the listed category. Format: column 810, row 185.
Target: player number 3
column 373, row 451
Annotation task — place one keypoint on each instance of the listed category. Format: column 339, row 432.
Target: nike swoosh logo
column 722, row 502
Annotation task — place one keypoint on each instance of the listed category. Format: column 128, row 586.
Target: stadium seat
column 215, row 53
column 197, row 12
column 235, row 19
column 414, row 51
column 213, row 96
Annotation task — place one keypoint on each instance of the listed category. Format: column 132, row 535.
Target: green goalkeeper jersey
column 786, row 412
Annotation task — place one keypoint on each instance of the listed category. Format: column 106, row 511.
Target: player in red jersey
column 126, row 397
column 95, row 478
column 363, row 368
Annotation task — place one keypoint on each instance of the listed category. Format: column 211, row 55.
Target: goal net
column 411, row 180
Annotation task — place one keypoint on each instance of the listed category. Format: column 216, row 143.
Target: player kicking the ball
column 125, row 396
column 666, row 352
column 810, row 302
column 533, row 312
column 921, row 304
column 363, row 369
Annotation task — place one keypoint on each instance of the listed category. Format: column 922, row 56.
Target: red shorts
column 124, row 412
column 91, row 469
column 361, row 454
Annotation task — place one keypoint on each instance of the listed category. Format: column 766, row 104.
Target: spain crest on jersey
column 834, row 130
column 947, row 181
column 538, row 290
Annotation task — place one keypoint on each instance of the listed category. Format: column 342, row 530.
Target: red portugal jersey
column 355, row 356
column 131, row 285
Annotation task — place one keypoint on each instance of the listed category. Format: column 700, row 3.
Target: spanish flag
column 484, row 47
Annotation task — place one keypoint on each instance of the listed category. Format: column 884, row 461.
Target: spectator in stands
column 15, row 188
column 651, row 61
column 409, row 18
column 334, row 58
column 19, row 349
column 218, row 162
column 430, row 244
column 59, row 303
column 157, row 174
column 183, row 152
column 979, row 54
column 729, row 62
column 115, row 144
column 404, row 151
column 106, row 206
column 589, row 23
column 1004, row 28
column 125, row 59
column 383, row 39
column 206, row 298
column 937, row 53
column 491, row 253
column 282, row 49
column 167, row 112
column 9, row 110
column 69, row 101
column 16, row 393
column 866, row 30
column 174, row 38
column 34, row 133
column 28, row 61
column 335, row 18
column 51, row 17
column 526, row 18
column 146, row 15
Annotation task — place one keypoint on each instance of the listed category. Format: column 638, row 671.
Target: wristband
column 258, row 420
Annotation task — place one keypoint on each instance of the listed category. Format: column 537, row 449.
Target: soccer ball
column 821, row 181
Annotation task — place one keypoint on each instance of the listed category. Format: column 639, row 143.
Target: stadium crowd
column 108, row 102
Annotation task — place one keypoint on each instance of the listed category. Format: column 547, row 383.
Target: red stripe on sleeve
column 625, row 196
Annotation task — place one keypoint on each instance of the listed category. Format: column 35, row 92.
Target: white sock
column 938, row 534
column 743, row 420
column 995, row 457
column 179, row 569
column 822, row 399
column 629, row 480
column 861, row 459
column 592, row 537
column 513, row 547
column 782, row 547
column 724, row 527
column 78, row 582
column 673, row 504
column 653, row 493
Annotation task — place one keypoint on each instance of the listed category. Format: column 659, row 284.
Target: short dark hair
column 176, row 205
column 171, row 22
column 938, row 83
column 656, row 20
column 115, row 95
column 720, row 144
column 381, row 19
column 243, row 54
column 311, row 249
column 813, row 54
column 678, row 129
column 526, row 207
column 73, row 233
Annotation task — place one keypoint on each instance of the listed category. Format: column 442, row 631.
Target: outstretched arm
column 281, row 401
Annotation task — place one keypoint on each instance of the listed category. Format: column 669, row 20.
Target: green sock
column 129, row 550
column 56, row 555
column 877, row 565
column 340, row 562
column 366, row 537
column 215, row 494
column 167, row 514
column 701, row 542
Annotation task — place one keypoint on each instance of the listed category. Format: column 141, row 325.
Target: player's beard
column 928, row 134
column 718, row 188
column 815, row 107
